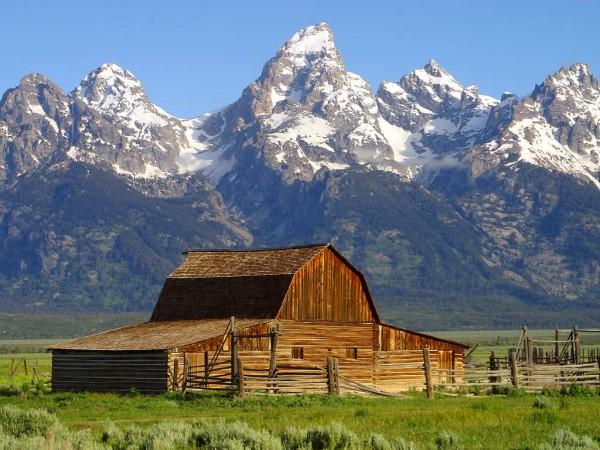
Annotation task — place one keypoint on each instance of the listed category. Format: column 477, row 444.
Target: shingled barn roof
column 217, row 284
column 153, row 335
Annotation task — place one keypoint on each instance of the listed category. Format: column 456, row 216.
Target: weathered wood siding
column 76, row 370
column 319, row 340
column 394, row 369
column 392, row 338
column 326, row 289
column 401, row 370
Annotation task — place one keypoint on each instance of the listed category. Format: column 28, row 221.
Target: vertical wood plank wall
column 326, row 289
column 393, row 338
column 323, row 339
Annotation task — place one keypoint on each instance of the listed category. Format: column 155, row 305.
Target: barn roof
column 243, row 263
column 218, row 284
column 153, row 335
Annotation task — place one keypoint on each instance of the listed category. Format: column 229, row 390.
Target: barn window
column 297, row 352
column 352, row 353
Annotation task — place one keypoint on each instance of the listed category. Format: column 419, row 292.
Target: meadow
column 552, row 420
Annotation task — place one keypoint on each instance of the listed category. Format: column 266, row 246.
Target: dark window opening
column 297, row 352
column 352, row 353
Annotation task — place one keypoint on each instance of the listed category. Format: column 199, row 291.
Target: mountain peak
column 437, row 78
column 433, row 68
column 109, row 86
column 575, row 75
column 575, row 68
column 310, row 40
column 34, row 79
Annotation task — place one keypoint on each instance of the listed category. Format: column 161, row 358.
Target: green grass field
column 479, row 422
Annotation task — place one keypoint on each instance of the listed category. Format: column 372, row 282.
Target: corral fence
column 530, row 377
column 526, row 367
column 304, row 378
column 566, row 347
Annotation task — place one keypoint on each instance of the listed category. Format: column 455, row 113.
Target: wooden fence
column 530, row 377
column 301, row 378
column 298, row 377
column 29, row 369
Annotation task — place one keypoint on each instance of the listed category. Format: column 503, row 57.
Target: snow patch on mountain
column 312, row 39
column 116, row 91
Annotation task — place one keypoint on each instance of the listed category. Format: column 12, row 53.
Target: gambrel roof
column 217, row 284
column 211, row 286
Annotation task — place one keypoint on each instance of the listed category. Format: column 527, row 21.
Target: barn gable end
column 328, row 288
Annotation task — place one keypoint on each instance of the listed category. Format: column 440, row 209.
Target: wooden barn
column 259, row 318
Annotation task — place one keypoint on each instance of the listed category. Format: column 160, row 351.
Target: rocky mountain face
column 455, row 204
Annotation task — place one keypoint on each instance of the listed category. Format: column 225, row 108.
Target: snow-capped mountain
column 430, row 118
column 116, row 123
column 428, row 184
column 557, row 127
column 305, row 112
column 33, row 119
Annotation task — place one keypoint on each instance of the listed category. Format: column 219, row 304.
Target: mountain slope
column 76, row 238
column 460, row 208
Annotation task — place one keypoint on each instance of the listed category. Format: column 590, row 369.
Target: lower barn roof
column 154, row 335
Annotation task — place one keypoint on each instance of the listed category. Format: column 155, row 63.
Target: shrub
column 231, row 436
column 445, row 440
column 401, row 444
column 8, row 442
column 374, row 441
column 295, row 439
column 566, row 440
column 332, row 437
column 37, row 429
column 542, row 402
column 18, row 422
column 329, row 437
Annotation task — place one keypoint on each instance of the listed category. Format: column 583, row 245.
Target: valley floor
column 517, row 421
column 478, row 422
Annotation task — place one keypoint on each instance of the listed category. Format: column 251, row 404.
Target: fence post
column 427, row 368
column 234, row 356
column 453, row 373
column 241, row 385
column 12, row 366
column 514, row 370
column 336, row 376
column 556, row 345
column 493, row 367
column 330, row 376
column 25, row 366
column 525, row 351
column 272, row 359
column 529, row 359
column 174, row 384
column 529, row 351
column 206, row 369
column 577, row 346
column 185, row 375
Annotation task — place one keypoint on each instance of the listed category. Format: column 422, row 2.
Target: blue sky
column 196, row 56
